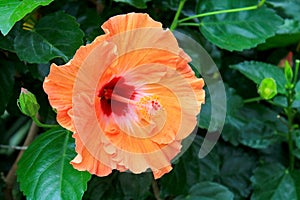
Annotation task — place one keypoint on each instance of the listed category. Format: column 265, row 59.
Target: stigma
column 149, row 106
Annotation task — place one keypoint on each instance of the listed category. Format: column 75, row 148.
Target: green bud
column 27, row 103
column 288, row 72
column 267, row 88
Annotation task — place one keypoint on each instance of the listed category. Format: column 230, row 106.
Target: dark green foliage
column 257, row 156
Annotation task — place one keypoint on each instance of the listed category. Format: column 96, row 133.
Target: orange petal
column 160, row 172
column 85, row 161
column 122, row 23
column 60, row 81
column 59, row 85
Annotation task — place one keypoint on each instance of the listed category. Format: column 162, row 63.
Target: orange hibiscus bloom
column 129, row 97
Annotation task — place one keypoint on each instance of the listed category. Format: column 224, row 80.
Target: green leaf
column 297, row 90
column 290, row 7
column 14, row 10
column 39, row 71
column 210, row 166
column 136, row 3
column 287, row 34
column 6, row 83
column 104, row 188
column 296, row 178
column 233, row 122
column 236, row 169
column 188, row 9
column 119, row 186
column 240, row 30
column 186, row 171
column 6, row 43
column 208, row 191
column 44, row 170
column 296, row 139
column 252, row 125
column 208, row 5
column 90, row 20
column 273, row 181
column 55, row 35
column 205, row 113
column 257, row 71
column 135, row 186
column 232, row 167
column 255, row 126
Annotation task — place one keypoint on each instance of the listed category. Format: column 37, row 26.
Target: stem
column 189, row 24
column 2, row 146
column 282, row 121
column 11, row 176
column 224, row 11
column 155, row 189
column 40, row 124
column 290, row 116
column 296, row 71
column 255, row 99
column 175, row 20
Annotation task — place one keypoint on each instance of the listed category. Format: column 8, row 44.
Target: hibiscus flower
column 129, row 98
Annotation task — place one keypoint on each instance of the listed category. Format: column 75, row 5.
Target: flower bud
column 27, row 103
column 288, row 73
column 267, row 88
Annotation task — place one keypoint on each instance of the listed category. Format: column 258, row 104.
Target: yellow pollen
column 149, row 106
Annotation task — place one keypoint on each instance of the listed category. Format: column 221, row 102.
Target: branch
column 10, row 178
column 155, row 189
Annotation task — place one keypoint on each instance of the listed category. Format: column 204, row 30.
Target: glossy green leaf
column 257, row 71
column 6, row 83
column 255, row 126
column 208, row 5
column 208, row 191
column 240, row 30
column 233, row 121
column 290, row 7
column 136, row 3
column 14, row 10
column 45, row 172
column 273, row 181
column 236, row 169
column 287, row 34
column 252, row 125
column 55, row 36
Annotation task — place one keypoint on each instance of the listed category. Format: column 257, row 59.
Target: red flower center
column 110, row 95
